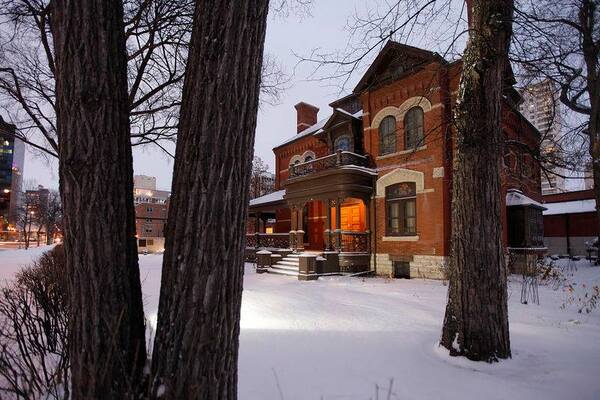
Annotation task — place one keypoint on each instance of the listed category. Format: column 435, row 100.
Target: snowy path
column 337, row 338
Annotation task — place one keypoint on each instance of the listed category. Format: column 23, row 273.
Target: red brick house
column 369, row 186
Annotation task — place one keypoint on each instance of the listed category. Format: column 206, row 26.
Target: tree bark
column 588, row 19
column 196, row 347
column 476, row 320
column 107, row 345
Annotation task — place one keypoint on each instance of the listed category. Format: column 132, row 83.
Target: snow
column 308, row 131
column 11, row 261
column 570, row 207
column 341, row 337
column 515, row 197
column 268, row 198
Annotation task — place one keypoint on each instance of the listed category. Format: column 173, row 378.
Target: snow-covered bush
column 34, row 331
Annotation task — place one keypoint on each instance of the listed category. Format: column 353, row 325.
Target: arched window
column 401, row 209
column 387, row 135
column 413, row 128
column 342, row 143
column 308, row 158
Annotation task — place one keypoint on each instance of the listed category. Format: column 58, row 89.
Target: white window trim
column 398, row 112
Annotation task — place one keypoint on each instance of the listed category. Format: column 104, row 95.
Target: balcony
column 331, row 161
column 336, row 176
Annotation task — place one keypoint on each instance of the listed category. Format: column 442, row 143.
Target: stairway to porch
column 288, row 265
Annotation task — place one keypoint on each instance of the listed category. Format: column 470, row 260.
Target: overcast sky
column 285, row 36
column 324, row 29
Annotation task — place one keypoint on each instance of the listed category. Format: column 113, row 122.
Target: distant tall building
column 144, row 191
column 12, row 158
column 151, row 211
column 541, row 106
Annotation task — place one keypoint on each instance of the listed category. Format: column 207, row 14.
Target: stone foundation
column 421, row 266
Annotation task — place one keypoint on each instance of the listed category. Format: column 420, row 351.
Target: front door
column 351, row 219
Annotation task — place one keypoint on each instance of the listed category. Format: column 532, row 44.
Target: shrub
column 34, row 331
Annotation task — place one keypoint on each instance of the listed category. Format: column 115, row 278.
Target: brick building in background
column 369, row 186
column 569, row 222
column 151, row 212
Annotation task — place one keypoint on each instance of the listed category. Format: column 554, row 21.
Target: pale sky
column 325, row 29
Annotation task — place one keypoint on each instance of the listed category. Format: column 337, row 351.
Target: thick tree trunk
column 588, row 20
column 196, row 347
column 476, row 320
column 107, row 346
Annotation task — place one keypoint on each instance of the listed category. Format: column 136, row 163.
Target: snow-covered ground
column 342, row 338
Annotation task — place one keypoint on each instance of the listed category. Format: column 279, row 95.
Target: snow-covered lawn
column 341, row 338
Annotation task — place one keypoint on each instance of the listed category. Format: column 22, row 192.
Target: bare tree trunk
column 476, row 320
column 588, row 19
column 107, row 345
column 196, row 347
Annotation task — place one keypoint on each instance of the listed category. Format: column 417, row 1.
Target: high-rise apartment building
column 12, row 156
column 541, row 106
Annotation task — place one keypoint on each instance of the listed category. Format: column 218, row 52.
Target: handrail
column 340, row 158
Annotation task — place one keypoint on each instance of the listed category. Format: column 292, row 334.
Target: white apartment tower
column 541, row 106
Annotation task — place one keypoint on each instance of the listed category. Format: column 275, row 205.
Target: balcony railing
column 330, row 161
column 270, row 240
column 355, row 242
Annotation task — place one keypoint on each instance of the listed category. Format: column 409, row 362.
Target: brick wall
column 150, row 219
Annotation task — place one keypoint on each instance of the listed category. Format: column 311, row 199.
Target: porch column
column 293, row 221
column 338, row 224
column 300, row 230
column 367, row 204
column 328, row 226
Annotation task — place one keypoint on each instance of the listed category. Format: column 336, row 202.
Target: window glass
column 401, row 209
column 342, row 143
column 387, row 136
column 413, row 128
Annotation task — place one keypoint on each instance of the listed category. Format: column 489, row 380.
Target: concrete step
column 290, row 260
column 285, row 267
column 279, row 271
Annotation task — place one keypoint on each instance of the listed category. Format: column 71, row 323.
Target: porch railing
column 340, row 158
column 272, row 240
column 354, row 242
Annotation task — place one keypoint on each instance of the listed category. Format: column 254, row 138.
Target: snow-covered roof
column 515, row 197
column 316, row 128
column 268, row 198
column 570, row 207
column 308, row 131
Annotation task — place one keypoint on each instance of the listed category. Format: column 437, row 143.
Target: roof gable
column 394, row 60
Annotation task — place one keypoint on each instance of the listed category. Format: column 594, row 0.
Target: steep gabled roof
column 393, row 60
column 338, row 114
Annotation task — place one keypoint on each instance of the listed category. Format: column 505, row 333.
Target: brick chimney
column 306, row 115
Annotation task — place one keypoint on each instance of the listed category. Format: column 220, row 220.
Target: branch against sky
column 439, row 25
column 549, row 45
column 157, row 34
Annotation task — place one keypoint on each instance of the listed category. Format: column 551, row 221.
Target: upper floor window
column 342, row 143
column 413, row 128
column 387, row 136
column 401, row 209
